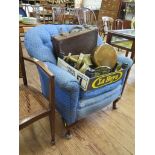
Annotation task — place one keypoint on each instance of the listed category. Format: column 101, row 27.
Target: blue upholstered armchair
column 72, row 102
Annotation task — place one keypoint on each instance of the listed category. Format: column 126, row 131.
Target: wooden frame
column 112, row 33
column 50, row 111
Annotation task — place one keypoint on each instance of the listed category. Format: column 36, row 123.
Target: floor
column 106, row 132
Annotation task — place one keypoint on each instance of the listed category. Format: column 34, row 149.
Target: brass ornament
column 84, row 68
column 79, row 62
column 87, row 60
column 102, row 70
column 104, row 55
column 83, row 62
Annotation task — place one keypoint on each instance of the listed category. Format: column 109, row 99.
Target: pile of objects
column 103, row 60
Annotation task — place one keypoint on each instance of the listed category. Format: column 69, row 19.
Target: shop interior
column 77, row 77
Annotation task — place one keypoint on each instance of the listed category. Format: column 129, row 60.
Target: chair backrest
column 86, row 16
column 58, row 14
column 118, row 24
column 107, row 24
column 38, row 41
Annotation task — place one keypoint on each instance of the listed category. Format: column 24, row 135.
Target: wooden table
column 123, row 39
column 24, row 27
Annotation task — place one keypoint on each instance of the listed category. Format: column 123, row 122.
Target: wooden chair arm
column 41, row 65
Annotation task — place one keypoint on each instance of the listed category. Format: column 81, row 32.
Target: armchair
column 72, row 102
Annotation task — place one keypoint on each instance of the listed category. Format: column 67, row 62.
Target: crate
column 87, row 83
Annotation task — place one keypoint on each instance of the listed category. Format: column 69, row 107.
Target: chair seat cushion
column 99, row 91
column 92, row 100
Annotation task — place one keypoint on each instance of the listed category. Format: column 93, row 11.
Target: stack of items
column 94, row 66
column 102, row 61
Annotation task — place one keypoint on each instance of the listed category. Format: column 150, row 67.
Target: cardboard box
column 87, row 83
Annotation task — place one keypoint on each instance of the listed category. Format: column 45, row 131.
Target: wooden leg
column 52, row 126
column 114, row 103
column 127, row 53
column 68, row 134
column 133, row 55
column 126, row 78
column 52, row 107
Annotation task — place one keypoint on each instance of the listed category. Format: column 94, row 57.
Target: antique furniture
column 107, row 24
column 58, row 14
column 110, row 8
column 32, row 104
column 110, row 24
column 72, row 102
column 118, row 24
column 86, row 16
column 23, row 28
column 123, row 39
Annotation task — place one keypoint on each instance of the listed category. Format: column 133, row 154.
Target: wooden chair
column 70, row 16
column 86, row 16
column 118, row 24
column 107, row 24
column 32, row 104
column 58, row 15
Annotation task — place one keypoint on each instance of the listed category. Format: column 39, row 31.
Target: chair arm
column 51, row 87
column 122, row 59
column 39, row 64
column 64, row 79
column 66, row 91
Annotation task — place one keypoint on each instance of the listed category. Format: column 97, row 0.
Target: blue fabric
column 66, row 91
column 93, row 100
column 122, row 59
column 38, row 41
column 87, row 110
column 71, row 102
column 98, row 91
